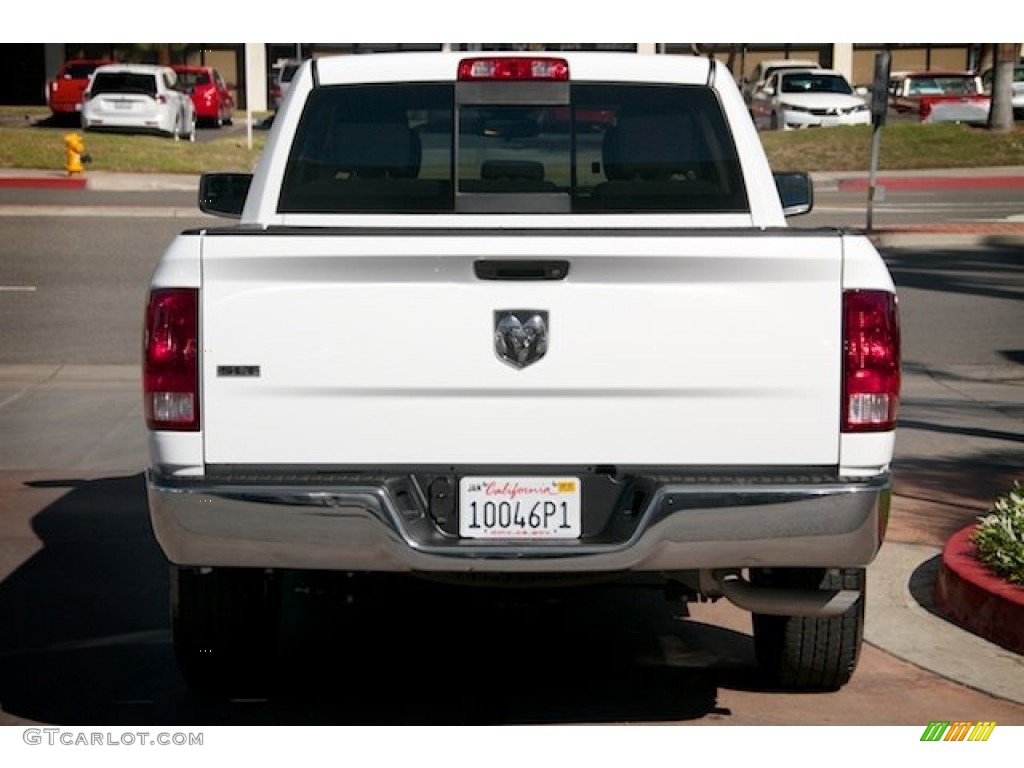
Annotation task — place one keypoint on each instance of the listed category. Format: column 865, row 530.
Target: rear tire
column 807, row 653
column 225, row 625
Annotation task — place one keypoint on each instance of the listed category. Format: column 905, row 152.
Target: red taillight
column 514, row 68
column 871, row 361
column 170, row 375
column 161, row 99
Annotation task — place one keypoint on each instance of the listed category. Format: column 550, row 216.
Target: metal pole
column 876, row 135
column 879, row 109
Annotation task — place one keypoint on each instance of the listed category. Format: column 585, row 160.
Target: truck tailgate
column 367, row 348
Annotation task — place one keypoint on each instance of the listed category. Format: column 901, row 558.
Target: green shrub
column 999, row 536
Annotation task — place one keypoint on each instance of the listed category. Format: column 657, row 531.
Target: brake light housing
column 513, row 68
column 871, row 361
column 170, row 354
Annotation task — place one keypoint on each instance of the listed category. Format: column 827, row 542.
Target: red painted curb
column 974, row 597
column 43, row 182
column 935, row 182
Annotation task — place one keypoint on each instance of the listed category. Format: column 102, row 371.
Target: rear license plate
column 528, row 508
column 122, row 105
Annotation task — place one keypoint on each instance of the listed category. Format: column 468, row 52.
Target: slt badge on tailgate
column 520, row 336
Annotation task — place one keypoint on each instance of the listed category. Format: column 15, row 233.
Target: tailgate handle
column 517, row 269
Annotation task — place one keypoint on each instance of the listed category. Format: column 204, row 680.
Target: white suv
column 138, row 98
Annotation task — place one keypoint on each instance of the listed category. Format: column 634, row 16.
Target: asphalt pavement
column 901, row 615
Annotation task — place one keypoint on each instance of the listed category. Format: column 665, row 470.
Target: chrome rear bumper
column 379, row 525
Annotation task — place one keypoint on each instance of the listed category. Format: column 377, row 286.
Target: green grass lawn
column 26, row 143
column 902, row 146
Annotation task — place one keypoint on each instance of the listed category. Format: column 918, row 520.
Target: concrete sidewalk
column 108, row 181
column 936, row 494
column 99, row 181
column 953, row 233
column 925, row 178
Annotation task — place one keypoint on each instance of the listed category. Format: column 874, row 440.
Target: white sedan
column 138, row 98
column 808, row 98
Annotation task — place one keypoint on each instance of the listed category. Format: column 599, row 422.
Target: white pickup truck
column 520, row 318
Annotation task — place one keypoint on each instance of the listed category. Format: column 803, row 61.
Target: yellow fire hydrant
column 74, row 148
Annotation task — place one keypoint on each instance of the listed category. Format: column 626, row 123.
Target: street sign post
column 879, row 109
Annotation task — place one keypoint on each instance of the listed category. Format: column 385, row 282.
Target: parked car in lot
column 805, row 98
column 988, row 77
column 64, row 92
column 210, row 95
column 138, row 98
column 766, row 69
column 280, row 78
column 939, row 96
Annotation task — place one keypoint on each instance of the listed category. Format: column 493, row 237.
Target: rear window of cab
column 404, row 148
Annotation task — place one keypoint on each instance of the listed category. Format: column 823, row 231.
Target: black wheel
column 804, row 653
column 225, row 625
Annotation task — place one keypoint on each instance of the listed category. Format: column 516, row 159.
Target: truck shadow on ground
column 85, row 640
column 991, row 270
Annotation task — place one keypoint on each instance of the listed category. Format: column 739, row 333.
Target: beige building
column 246, row 66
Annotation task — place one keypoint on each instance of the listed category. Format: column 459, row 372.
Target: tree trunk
column 734, row 50
column 1000, row 116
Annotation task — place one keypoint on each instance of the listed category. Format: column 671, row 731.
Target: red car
column 209, row 93
column 64, row 92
